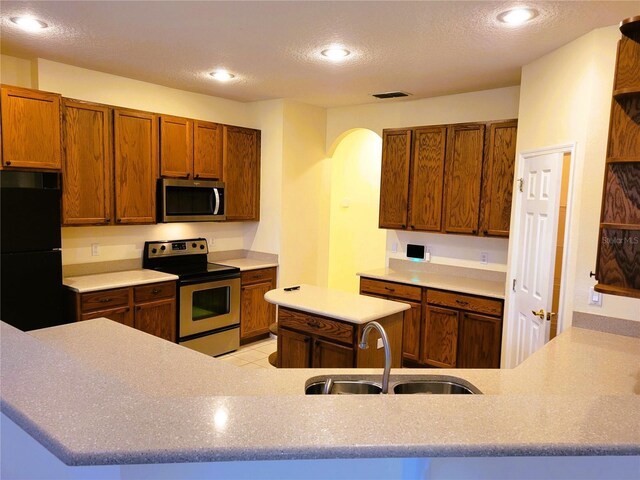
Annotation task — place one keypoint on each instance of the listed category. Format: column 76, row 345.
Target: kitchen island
column 115, row 401
column 321, row 328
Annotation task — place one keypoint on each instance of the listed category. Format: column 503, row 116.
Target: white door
column 536, row 249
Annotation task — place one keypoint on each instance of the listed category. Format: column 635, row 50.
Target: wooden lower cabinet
column 480, row 337
column 412, row 325
column 150, row 308
column 256, row 314
column 312, row 341
column 440, row 344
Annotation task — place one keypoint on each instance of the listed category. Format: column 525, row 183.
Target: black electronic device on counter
column 415, row 252
column 31, row 292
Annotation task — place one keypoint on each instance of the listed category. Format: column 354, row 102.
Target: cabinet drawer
column 321, row 327
column 105, row 299
column 257, row 276
column 390, row 289
column 465, row 302
column 154, row 291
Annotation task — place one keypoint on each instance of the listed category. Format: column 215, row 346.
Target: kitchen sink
column 345, row 387
column 430, row 387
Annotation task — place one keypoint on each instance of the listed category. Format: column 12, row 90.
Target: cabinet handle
column 188, row 175
column 474, row 231
column 313, row 324
column 8, row 162
column 155, row 291
column 197, row 175
column 138, row 308
column 486, row 232
column 107, row 219
column 404, row 226
column 389, row 289
column 462, row 302
column 105, row 300
column 118, row 220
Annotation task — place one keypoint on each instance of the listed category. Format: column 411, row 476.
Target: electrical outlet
column 484, row 258
column 595, row 298
column 95, row 249
column 380, row 344
column 210, row 242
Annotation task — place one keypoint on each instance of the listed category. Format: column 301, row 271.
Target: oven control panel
column 176, row 247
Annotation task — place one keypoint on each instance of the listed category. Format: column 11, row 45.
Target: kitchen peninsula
column 321, row 328
column 117, row 401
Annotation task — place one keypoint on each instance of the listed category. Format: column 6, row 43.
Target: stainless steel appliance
column 209, row 294
column 190, row 200
column 31, row 260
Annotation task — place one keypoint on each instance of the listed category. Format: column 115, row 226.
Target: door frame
column 509, row 327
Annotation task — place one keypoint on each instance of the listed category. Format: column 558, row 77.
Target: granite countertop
column 104, row 281
column 245, row 264
column 461, row 284
column 349, row 307
column 179, row 405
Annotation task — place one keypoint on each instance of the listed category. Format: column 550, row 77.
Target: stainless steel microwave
column 190, row 200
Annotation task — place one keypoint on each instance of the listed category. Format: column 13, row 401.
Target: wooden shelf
column 630, row 26
column 624, row 133
column 620, row 94
column 623, row 160
column 620, row 226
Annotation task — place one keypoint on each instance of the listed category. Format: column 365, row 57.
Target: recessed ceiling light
column 222, row 75
column 29, row 24
column 517, row 16
column 335, row 53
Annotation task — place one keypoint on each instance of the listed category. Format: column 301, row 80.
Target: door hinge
column 514, row 285
column 521, row 184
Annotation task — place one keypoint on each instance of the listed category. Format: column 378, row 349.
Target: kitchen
column 291, row 131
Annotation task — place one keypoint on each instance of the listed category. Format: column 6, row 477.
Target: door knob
column 549, row 315
column 539, row 314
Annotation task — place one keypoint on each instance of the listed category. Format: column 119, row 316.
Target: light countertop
column 245, row 264
column 104, row 281
column 455, row 283
column 349, row 307
column 178, row 405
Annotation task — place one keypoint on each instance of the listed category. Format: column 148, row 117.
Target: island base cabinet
column 331, row 355
column 294, row 349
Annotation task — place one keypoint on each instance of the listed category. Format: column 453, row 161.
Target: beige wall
column 356, row 243
column 501, row 103
column 565, row 97
column 18, row 71
column 305, row 196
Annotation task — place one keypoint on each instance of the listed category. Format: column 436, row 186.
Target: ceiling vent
column 391, row 94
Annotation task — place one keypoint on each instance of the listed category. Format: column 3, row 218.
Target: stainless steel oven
column 208, row 317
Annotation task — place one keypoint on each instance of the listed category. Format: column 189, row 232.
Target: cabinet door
column 241, row 160
column 463, row 173
column 30, row 129
column 331, row 355
column 294, row 349
column 121, row 315
column 499, row 163
column 87, row 164
column 440, row 342
column 480, row 341
column 394, row 179
column 256, row 314
column 176, row 147
column 157, row 318
column 136, row 162
column 207, row 150
column 411, row 331
column 427, row 178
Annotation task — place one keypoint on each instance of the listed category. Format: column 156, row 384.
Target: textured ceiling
column 427, row 48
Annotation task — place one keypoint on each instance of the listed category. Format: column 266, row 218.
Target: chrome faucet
column 387, row 351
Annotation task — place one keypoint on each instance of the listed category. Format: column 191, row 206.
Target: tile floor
column 252, row 355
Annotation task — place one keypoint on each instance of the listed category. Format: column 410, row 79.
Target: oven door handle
column 203, row 280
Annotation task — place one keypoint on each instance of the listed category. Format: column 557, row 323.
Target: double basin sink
column 431, row 385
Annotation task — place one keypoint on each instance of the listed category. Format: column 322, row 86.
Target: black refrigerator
column 31, row 294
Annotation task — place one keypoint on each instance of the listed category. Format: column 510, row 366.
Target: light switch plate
column 95, row 249
column 380, row 344
column 595, row 298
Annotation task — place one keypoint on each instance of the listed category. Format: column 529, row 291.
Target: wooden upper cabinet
column 463, row 174
column 30, row 129
column 394, row 179
column 499, row 163
column 241, row 160
column 427, row 178
column 136, row 160
column 207, row 150
column 87, row 164
column 176, row 147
